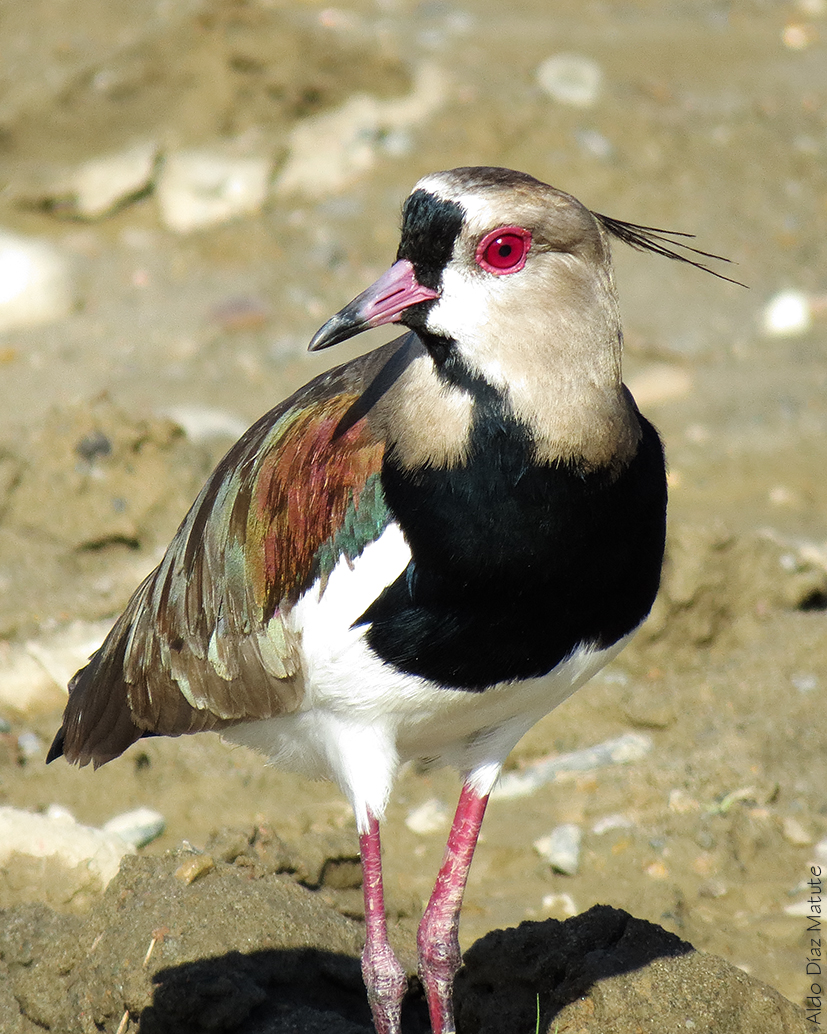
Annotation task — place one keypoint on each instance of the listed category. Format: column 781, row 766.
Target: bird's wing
column 204, row 643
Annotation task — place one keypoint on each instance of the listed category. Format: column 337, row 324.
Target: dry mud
column 710, row 119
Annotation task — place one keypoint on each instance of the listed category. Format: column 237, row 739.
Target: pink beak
column 383, row 302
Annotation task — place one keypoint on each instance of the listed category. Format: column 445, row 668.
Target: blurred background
column 188, row 190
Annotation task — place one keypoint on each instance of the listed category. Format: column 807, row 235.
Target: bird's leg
column 384, row 977
column 438, row 937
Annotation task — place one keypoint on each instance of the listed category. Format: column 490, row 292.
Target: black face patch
column 430, row 228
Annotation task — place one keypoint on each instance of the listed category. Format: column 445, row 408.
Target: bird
column 421, row 552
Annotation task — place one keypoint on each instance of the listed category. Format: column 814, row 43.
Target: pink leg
column 384, row 977
column 438, row 938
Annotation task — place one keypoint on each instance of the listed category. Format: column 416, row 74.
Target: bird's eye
column 504, row 250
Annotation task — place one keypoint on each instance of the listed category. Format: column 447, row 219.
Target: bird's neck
column 574, row 410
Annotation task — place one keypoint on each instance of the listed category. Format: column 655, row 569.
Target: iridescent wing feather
column 204, row 642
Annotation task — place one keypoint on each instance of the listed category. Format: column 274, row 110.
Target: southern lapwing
column 421, row 552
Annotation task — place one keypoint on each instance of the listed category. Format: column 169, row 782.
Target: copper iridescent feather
column 203, row 643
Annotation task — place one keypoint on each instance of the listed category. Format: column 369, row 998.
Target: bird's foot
column 439, row 960
column 386, row 985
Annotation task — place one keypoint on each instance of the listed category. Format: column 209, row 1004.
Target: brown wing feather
column 203, row 642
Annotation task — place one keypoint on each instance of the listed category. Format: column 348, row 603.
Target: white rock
column 613, row 821
column 560, row 904
column 799, row 908
column 660, row 382
column 631, row 746
column 40, row 836
column 38, row 671
column 787, row 314
column 138, row 827
column 60, row 813
column 35, row 282
column 331, row 150
column 571, row 79
column 820, row 852
column 429, row 817
column 204, row 188
column 202, row 423
column 30, row 745
column 102, row 184
column 561, row 848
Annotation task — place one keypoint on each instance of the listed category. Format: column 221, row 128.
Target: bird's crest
column 661, row 242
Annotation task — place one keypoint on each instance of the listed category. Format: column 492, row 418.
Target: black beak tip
column 343, row 325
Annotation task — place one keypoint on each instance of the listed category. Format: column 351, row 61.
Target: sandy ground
column 710, row 119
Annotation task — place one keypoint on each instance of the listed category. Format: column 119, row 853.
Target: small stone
column 195, row 866
column 559, row 904
column 561, row 848
column 35, row 674
column 204, row 188
column 103, row 184
column 333, row 149
column 799, row 908
column 571, row 79
column 594, row 144
column 138, row 827
column 30, row 745
column 657, row 871
column 660, row 382
column 35, row 283
column 610, row 822
column 787, row 314
column 39, row 836
column 820, row 852
column 430, row 817
column 681, row 803
column 203, row 424
column 804, row 682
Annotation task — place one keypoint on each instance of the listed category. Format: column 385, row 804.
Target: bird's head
column 508, row 283
column 489, row 259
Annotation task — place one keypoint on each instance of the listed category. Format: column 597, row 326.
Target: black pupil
column 505, row 250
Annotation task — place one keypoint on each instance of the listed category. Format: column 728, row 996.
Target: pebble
column 330, row 151
column 632, row 746
column 804, row 683
column 138, row 827
column 429, row 817
column 195, row 866
column 820, row 852
column 681, row 803
column 30, row 746
column 571, row 79
column 203, row 188
column 35, row 282
column 787, row 314
column 799, row 908
column 660, row 382
column 202, row 423
column 561, row 848
column 610, row 822
column 103, row 184
column 561, row 904
column 35, row 674
column 40, row 836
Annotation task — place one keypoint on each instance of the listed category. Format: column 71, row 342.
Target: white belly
column 361, row 718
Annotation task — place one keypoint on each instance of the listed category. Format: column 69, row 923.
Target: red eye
column 504, row 250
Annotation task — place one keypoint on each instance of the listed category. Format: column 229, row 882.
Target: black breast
column 516, row 563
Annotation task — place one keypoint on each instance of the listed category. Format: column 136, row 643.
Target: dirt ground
column 711, row 119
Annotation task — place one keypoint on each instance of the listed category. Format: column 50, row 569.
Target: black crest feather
column 661, row 242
